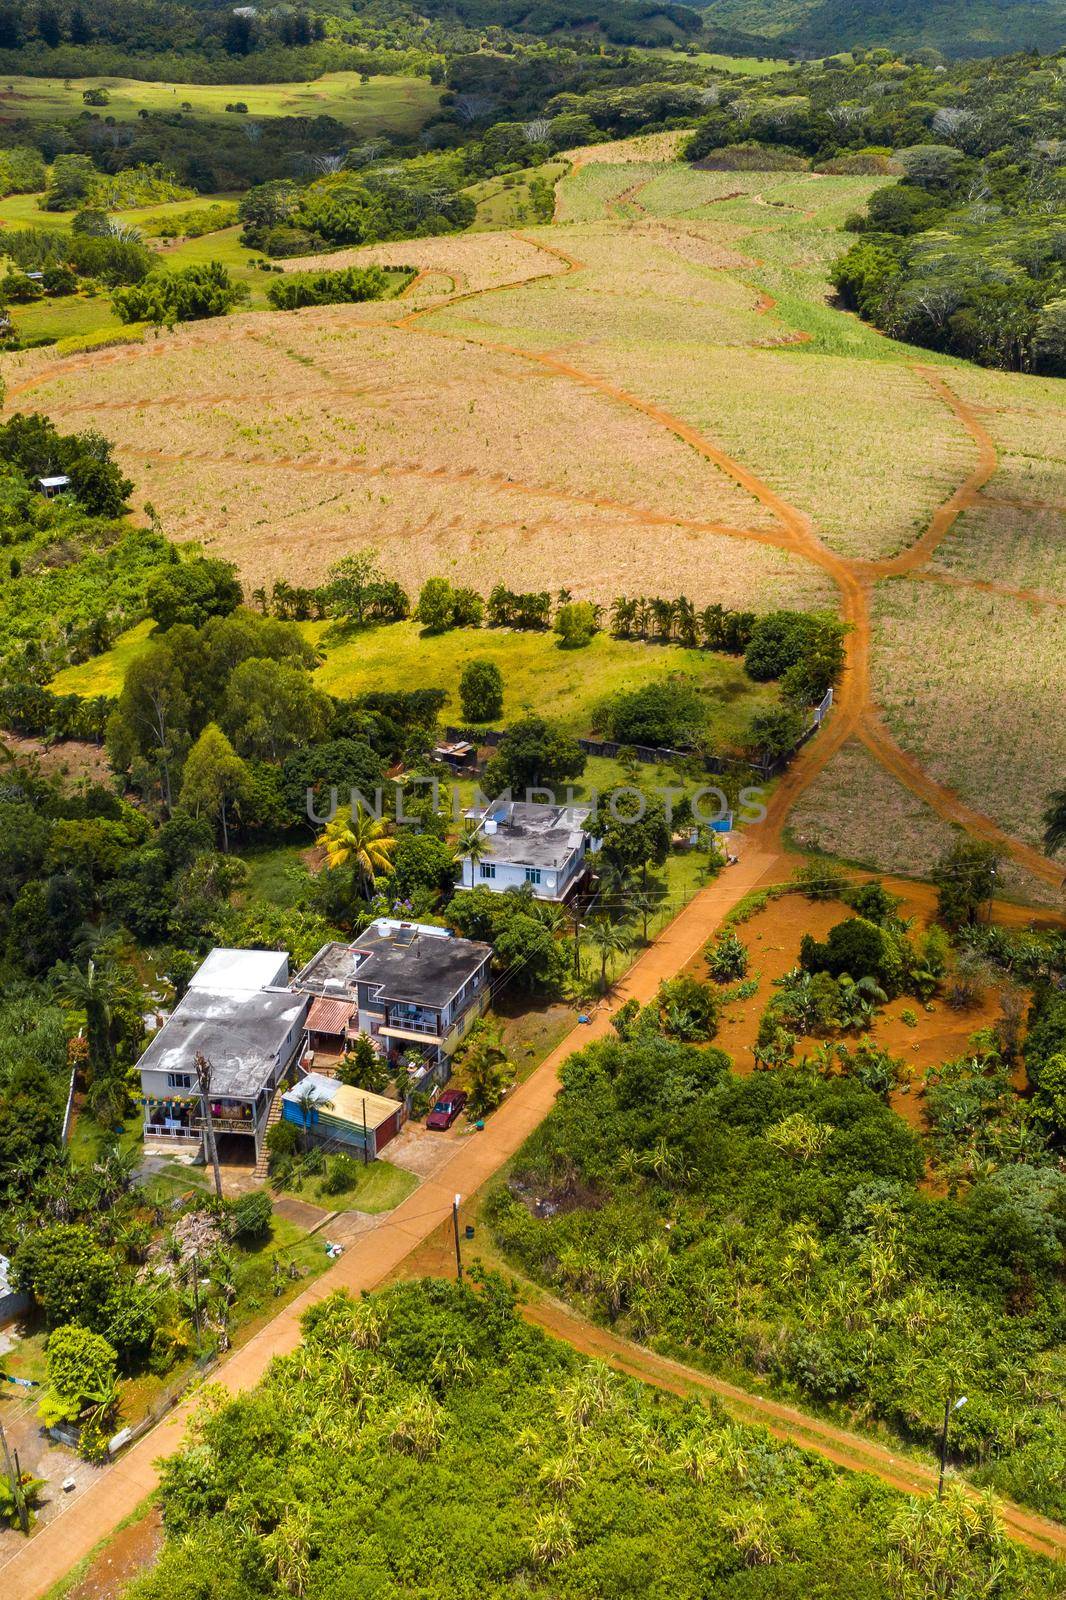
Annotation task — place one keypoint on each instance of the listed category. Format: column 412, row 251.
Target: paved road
column 49, row 1554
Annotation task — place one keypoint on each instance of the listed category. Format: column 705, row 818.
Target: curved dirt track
column 784, row 1422
column 855, row 715
column 855, row 712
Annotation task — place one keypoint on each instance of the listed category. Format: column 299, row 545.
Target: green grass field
column 269, row 867
column 380, row 1188
column 505, row 202
column 104, row 674
column 747, row 66
column 383, row 105
column 24, row 211
column 79, row 314
column 539, row 676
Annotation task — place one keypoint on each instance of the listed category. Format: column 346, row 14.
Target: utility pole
column 196, row 1297
column 13, row 1473
column 203, row 1078
column 949, row 1406
column 20, row 1496
column 455, row 1230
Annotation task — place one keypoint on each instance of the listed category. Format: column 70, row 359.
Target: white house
column 241, row 1014
column 544, row 847
column 413, row 988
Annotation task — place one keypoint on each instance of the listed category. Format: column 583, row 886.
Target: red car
column 447, row 1109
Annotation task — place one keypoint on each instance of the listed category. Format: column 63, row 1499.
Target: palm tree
column 473, row 846
column 487, row 1069
column 358, row 841
column 609, row 939
column 551, row 1540
column 96, row 990
column 108, row 1099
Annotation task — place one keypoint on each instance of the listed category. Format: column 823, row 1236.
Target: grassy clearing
column 381, row 1187
column 68, row 316
column 224, row 246
column 89, row 1139
column 538, row 675
column 507, row 202
column 104, row 674
column 385, row 104
column 747, row 66
column 269, row 872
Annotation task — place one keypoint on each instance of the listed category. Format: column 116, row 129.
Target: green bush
column 295, row 289
column 252, row 1212
column 342, row 1175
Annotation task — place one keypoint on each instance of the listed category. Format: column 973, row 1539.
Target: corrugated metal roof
column 329, row 1016
column 338, row 1102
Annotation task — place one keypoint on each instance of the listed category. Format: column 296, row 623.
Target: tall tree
column 215, row 779
column 272, row 707
column 151, row 719
column 352, row 582
column 203, row 1080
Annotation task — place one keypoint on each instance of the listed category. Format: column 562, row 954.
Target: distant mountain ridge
column 955, row 27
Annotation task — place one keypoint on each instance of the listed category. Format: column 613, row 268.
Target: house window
column 179, row 1080
column 532, row 874
column 488, row 869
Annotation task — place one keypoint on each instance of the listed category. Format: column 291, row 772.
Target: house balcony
column 172, row 1133
column 416, row 1033
column 227, row 1122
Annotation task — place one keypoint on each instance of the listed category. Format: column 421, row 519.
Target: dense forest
column 972, row 28
column 964, row 252
column 426, row 1441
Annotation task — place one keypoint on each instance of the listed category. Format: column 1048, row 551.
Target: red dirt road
column 50, row 1553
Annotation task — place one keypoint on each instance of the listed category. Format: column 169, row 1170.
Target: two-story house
column 242, row 1016
column 416, row 990
column 542, row 847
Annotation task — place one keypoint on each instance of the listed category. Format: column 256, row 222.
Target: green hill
column 955, row 27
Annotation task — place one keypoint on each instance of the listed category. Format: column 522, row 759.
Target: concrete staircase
column 262, row 1164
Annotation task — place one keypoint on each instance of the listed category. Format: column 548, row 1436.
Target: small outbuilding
column 50, row 487
column 328, row 1112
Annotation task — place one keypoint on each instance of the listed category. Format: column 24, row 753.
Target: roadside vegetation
column 789, row 1224
column 560, row 1478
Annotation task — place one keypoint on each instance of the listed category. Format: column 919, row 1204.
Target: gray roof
column 241, row 971
column 240, row 1034
column 409, row 964
column 535, row 835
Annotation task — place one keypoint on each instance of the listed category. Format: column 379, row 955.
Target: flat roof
column 531, row 835
column 240, row 1034
column 345, row 1103
column 552, row 849
column 241, row 971
column 406, row 961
